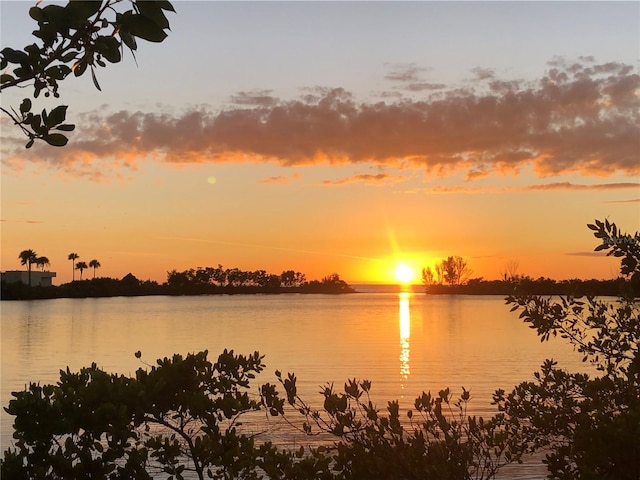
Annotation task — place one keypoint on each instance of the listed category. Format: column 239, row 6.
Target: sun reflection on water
column 405, row 335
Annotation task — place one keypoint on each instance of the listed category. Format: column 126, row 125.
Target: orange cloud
column 580, row 117
column 378, row 178
column 632, row 200
column 578, row 186
column 282, row 179
column 532, row 188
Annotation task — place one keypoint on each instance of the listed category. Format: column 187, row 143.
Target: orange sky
column 341, row 154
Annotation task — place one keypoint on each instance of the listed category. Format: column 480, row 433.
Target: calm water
column 403, row 343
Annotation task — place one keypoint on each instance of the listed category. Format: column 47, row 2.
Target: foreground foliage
column 436, row 440
column 590, row 426
column 179, row 416
column 183, row 416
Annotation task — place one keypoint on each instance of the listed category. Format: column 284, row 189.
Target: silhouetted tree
column 439, row 273
column 177, row 279
column 220, row 275
column 94, row 264
column 427, row 276
column 509, row 272
column 81, row 266
column 28, row 257
column 456, row 271
column 73, row 257
column 42, row 262
column 289, row 278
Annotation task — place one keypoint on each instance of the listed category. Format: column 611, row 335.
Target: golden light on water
column 405, row 335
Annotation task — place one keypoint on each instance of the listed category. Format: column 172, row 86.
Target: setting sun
column 404, row 273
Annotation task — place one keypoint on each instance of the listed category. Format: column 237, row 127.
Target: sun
column 404, row 273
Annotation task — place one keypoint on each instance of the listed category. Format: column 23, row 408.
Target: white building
column 38, row 279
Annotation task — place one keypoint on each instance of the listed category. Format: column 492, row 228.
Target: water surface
column 403, row 342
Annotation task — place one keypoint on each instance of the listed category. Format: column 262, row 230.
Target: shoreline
column 129, row 286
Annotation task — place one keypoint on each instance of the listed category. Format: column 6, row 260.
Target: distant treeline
column 540, row 286
column 203, row 280
column 200, row 281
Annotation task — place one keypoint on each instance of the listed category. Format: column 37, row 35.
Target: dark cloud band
column 580, row 117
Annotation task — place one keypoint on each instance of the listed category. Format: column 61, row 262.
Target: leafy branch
column 81, row 36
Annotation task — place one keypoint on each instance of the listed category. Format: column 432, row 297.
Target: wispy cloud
column 31, row 222
column 405, row 72
column 580, row 186
column 377, row 179
column 579, row 118
column 530, row 188
column 631, row 200
column 587, row 254
column 261, row 98
column 282, row 179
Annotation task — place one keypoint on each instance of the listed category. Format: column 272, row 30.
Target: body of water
column 405, row 343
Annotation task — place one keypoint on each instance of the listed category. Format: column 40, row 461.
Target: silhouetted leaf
column 56, row 15
column 95, row 80
column 56, row 139
column 56, row 116
column 145, row 28
column 59, row 72
column 81, row 10
column 25, row 106
column 165, row 5
column 153, row 11
column 109, row 47
column 129, row 40
column 36, row 14
column 79, row 67
column 14, row 56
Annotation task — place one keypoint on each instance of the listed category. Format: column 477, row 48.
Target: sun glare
column 404, row 273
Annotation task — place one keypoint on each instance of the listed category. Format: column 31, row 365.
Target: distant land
column 129, row 285
column 524, row 285
column 332, row 284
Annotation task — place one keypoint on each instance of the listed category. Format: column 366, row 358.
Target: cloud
column 587, row 254
column 632, row 200
column 33, row 222
column 483, row 73
column 578, row 186
column 420, row 86
column 282, row 179
column 531, row 188
column 405, row 72
column 377, row 179
column 261, row 98
column 580, row 118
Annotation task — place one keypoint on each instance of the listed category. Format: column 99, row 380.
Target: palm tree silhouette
column 42, row 262
column 73, row 257
column 94, row 264
column 27, row 257
column 81, row 266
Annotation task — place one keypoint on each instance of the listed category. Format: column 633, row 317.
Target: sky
column 340, row 137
